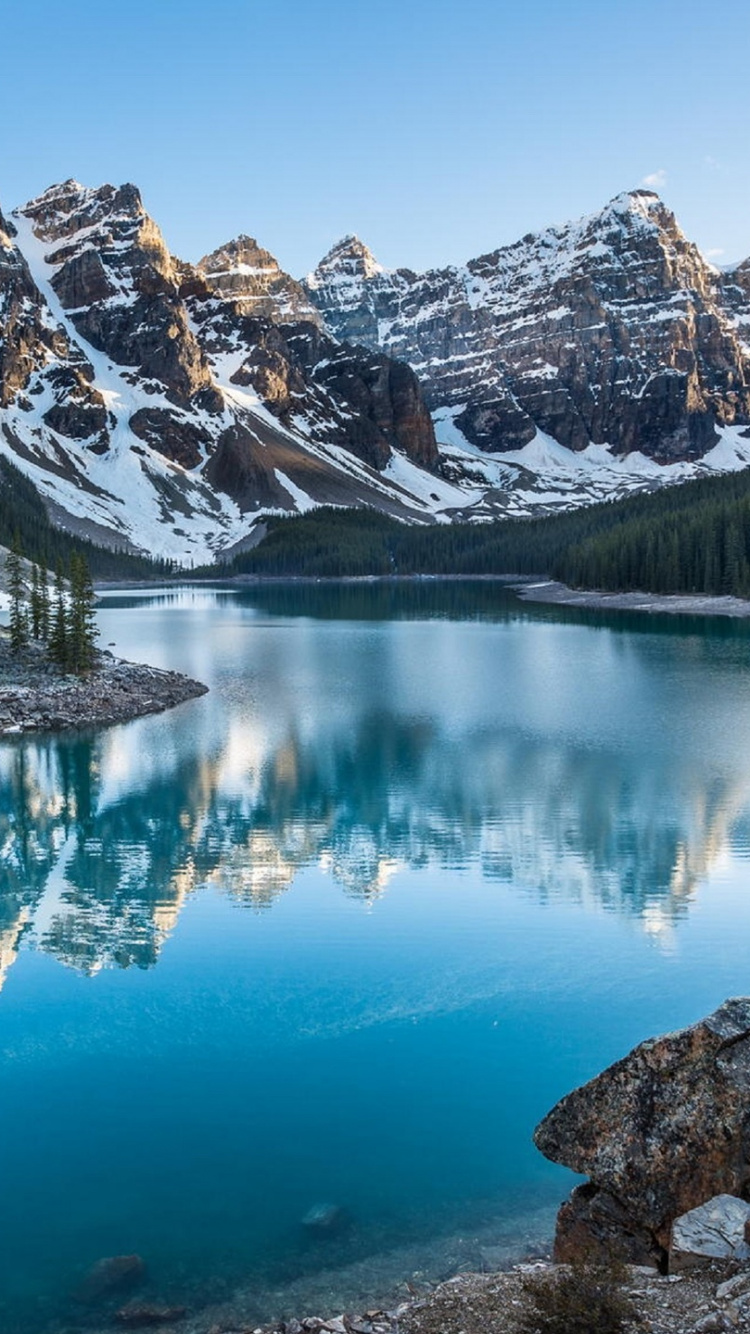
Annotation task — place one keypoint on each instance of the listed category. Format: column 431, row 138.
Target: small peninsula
column 36, row 696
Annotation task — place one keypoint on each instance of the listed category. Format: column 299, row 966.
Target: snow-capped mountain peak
column 349, row 260
column 610, row 330
column 170, row 406
column 243, row 272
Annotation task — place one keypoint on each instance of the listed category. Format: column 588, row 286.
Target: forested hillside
column 23, row 516
column 691, row 538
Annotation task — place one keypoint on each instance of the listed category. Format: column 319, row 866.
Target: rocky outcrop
column 329, row 392
column 36, row 697
column 243, row 272
column 113, row 273
column 659, row 1133
column 36, row 354
column 610, row 330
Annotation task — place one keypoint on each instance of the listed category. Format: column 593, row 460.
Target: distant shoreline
column 529, row 588
column 551, row 592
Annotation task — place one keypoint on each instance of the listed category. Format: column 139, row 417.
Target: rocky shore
column 707, row 1301
column 36, row 697
column 676, row 604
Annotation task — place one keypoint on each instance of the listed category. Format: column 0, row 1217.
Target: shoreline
column 699, row 1301
column 528, row 588
column 36, row 698
column 553, row 593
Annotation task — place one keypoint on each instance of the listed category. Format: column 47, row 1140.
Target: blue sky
column 434, row 130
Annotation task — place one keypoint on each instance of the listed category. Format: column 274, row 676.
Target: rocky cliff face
column 613, row 330
column 35, row 353
column 169, row 405
column 243, row 272
column 659, row 1133
column 261, row 332
column 109, row 341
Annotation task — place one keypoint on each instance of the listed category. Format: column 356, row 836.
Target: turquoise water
column 344, row 929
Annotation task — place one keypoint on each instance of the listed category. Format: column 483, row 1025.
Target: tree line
column 59, row 619
column 690, row 538
column 23, row 515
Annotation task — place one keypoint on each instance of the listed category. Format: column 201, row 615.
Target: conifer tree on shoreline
column 19, row 621
column 67, row 629
column 82, row 631
column 57, row 646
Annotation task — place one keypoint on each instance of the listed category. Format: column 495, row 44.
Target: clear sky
column 434, row 129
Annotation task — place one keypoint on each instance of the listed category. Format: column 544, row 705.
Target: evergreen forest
column 692, row 538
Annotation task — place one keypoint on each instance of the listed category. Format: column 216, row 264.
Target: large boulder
column 658, row 1133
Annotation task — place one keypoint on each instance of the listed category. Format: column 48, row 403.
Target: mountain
column 610, row 331
column 151, row 409
column 167, row 407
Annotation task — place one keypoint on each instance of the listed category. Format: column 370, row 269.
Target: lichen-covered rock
column 716, row 1230
column 664, row 1129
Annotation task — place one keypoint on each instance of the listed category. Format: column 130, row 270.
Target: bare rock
column 592, row 1224
column 667, row 1127
column 713, row 1231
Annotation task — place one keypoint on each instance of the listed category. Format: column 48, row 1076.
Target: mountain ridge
column 543, row 333
column 167, row 407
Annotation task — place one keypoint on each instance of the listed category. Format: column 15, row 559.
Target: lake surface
column 344, row 929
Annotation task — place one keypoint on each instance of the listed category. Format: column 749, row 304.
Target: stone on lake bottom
column 110, row 1275
column 143, row 1315
column 325, row 1218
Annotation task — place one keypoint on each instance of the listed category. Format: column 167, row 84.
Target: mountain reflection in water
column 100, row 883
column 422, row 859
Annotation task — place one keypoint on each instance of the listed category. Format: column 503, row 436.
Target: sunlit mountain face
column 343, row 929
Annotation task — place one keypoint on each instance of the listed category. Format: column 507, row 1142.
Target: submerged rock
column 658, row 1133
column 143, row 1315
column 325, row 1218
column 111, row 1275
column 716, row 1230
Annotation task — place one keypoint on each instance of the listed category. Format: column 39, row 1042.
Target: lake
column 341, row 931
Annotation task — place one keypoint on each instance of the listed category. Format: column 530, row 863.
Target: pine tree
column 35, row 604
column 58, row 634
column 19, row 623
column 82, row 630
column 44, row 605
